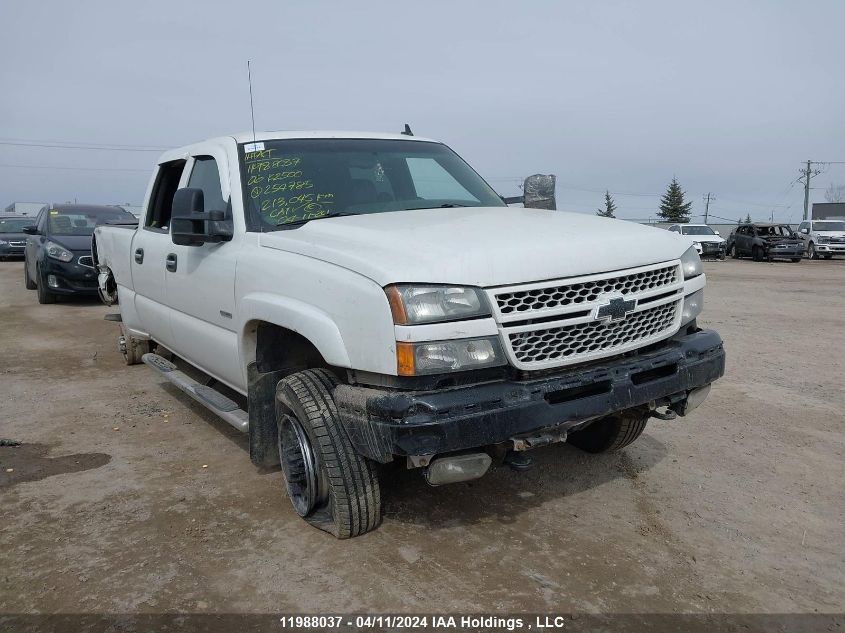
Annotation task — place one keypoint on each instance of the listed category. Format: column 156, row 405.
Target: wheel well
column 280, row 349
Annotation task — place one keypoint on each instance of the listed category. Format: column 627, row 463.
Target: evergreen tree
column 672, row 205
column 748, row 218
column 609, row 207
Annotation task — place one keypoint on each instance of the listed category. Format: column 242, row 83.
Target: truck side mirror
column 192, row 225
column 31, row 229
column 805, row 231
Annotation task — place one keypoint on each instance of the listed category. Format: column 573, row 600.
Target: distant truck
column 27, row 209
column 369, row 298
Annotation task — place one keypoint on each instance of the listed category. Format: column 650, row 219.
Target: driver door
column 201, row 279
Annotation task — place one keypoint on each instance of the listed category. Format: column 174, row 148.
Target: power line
column 113, row 148
column 86, row 143
column 72, row 168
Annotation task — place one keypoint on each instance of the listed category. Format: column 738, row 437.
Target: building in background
column 24, row 208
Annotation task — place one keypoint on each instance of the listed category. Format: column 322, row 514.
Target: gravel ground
column 127, row 497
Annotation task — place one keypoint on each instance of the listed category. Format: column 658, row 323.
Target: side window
column 41, row 221
column 675, row 229
column 206, row 176
column 161, row 200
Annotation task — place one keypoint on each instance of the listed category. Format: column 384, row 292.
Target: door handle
column 139, row 255
column 170, row 262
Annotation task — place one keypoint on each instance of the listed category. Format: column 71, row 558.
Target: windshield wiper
column 302, row 221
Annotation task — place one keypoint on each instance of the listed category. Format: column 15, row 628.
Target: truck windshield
column 291, row 181
column 829, row 226
column 697, row 230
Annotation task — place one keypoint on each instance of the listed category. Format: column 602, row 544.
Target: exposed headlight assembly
column 412, row 304
column 438, row 357
column 58, row 252
column 691, row 263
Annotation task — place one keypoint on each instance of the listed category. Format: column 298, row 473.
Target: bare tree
column 835, row 193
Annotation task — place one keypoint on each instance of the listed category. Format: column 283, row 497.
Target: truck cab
column 369, row 298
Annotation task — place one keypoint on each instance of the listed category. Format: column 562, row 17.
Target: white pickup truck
column 355, row 299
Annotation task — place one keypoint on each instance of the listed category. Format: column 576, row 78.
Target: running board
column 210, row 398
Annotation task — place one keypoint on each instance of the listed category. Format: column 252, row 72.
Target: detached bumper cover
column 382, row 423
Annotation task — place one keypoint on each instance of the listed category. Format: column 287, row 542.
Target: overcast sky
column 730, row 97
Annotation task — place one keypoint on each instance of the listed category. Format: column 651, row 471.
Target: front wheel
column 757, row 254
column 329, row 484
column 796, row 260
column 44, row 295
column 811, row 251
column 27, row 282
column 734, row 252
column 610, row 434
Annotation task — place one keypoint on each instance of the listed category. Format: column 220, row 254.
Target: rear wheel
column 611, row 433
column 329, row 484
column 27, row 282
column 44, row 295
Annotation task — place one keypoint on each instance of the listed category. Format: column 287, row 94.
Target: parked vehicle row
column 366, row 299
column 57, row 252
column 12, row 237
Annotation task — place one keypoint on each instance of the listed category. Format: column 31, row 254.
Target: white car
column 823, row 238
column 370, row 298
column 707, row 242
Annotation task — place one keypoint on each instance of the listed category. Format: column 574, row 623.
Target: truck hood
column 478, row 246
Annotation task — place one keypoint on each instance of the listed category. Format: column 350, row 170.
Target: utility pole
column 707, row 198
column 806, row 174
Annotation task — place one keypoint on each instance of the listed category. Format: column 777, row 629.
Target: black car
column 12, row 237
column 765, row 242
column 58, row 250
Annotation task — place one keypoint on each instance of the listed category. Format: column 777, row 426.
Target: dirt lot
column 127, row 497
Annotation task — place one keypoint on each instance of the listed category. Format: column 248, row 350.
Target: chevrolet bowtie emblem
column 616, row 309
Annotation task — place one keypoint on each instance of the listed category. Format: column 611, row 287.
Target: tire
column 828, row 256
column 27, row 282
column 610, row 434
column 44, row 295
column 734, row 252
column 329, row 484
column 133, row 349
column 757, row 254
column 796, row 260
column 811, row 251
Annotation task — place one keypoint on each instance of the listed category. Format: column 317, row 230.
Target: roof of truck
column 247, row 137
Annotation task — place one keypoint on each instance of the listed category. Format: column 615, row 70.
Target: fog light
column 52, row 281
column 692, row 306
column 450, row 470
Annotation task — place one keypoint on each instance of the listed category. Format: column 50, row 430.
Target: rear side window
column 161, row 201
column 206, row 176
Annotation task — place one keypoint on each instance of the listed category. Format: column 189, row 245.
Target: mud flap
column 263, row 442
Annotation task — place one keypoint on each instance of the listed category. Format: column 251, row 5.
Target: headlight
column 417, row 359
column 691, row 263
column 692, row 306
column 58, row 252
column 430, row 304
column 823, row 240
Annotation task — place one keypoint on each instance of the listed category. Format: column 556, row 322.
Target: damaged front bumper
column 382, row 423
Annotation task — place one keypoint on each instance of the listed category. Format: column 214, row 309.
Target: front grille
column 561, row 343
column 86, row 260
column 585, row 292
column 17, row 244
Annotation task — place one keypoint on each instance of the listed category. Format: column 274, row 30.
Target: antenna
column 407, row 131
column 251, row 108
